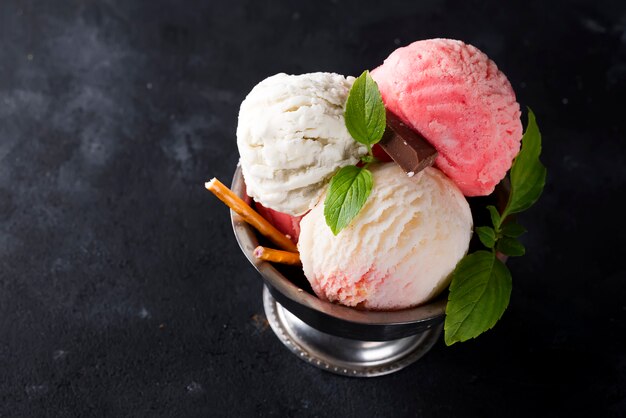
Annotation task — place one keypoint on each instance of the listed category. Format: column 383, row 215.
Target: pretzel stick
column 249, row 215
column 277, row 256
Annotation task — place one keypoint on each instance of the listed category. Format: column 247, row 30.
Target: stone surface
column 122, row 289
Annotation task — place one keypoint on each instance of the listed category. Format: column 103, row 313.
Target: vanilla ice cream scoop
column 292, row 138
column 398, row 251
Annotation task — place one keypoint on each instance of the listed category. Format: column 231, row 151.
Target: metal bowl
column 337, row 338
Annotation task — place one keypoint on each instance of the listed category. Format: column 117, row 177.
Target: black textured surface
column 122, row 289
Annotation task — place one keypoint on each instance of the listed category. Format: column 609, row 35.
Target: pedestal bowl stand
column 336, row 338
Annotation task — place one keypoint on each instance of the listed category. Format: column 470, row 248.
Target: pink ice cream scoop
column 285, row 223
column 456, row 97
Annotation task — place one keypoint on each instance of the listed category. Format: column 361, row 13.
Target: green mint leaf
column 528, row 175
column 348, row 191
column 510, row 246
column 479, row 294
column 365, row 112
column 513, row 230
column 487, row 235
column 495, row 216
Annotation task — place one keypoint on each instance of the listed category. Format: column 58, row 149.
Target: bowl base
column 345, row 356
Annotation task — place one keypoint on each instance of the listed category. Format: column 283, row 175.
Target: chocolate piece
column 407, row 147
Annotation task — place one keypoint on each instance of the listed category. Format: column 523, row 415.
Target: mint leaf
column 479, row 294
column 495, row 216
column 365, row 112
column 347, row 193
column 528, row 175
column 513, row 230
column 487, row 236
column 511, row 246
column 365, row 119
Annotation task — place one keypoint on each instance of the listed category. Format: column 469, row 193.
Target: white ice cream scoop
column 292, row 138
column 399, row 251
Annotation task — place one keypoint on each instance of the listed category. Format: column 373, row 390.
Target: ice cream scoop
column 287, row 224
column 455, row 96
column 292, row 138
column 399, row 251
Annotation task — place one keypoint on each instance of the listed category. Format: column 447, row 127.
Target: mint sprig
column 481, row 283
column 350, row 187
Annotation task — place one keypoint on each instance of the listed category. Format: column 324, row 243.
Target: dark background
column 122, row 289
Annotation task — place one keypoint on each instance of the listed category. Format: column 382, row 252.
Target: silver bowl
column 337, row 338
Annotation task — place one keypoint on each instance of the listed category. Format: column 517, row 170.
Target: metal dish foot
column 345, row 356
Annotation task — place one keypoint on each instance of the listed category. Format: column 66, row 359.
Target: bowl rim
column 247, row 240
